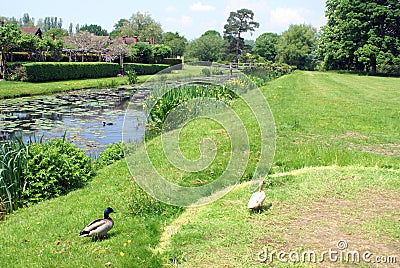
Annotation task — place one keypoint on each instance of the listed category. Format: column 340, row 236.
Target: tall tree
column 266, row 46
column 143, row 26
column 9, row 37
column 361, row 35
column 239, row 22
column 297, row 46
column 27, row 21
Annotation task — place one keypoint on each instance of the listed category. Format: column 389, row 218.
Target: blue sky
column 190, row 18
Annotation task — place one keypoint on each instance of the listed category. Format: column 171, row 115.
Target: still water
column 91, row 118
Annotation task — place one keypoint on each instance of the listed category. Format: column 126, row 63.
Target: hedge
column 51, row 71
column 143, row 68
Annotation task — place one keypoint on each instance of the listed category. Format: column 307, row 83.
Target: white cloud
column 282, row 17
column 200, row 7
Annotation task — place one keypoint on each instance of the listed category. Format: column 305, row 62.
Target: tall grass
column 13, row 159
column 165, row 99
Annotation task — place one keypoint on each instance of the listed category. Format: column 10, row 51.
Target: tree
column 57, row 33
column 9, row 37
column 143, row 26
column 266, row 46
column 239, row 22
column 94, row 29
column 49, row 23
column 87, row 42
column 176, row 42
column 117, row 28
column 116, row 49
column 361, row 35
column 27, row 21
column 141, row 52
column 297, row 46
column 208, row 47
column 160, row 52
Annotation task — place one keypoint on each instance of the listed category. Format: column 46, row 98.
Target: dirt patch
column 320, row 225
column 387, row 149
column 351, row 134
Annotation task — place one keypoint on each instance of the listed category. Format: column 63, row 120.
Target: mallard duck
column 257, row 199
column 99, row 227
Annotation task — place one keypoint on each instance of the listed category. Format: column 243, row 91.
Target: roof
column 32, row 30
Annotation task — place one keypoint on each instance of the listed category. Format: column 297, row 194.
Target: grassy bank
column 336, row 165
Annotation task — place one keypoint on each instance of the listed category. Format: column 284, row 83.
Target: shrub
column 143, row 68
column 54, row 168
column 206, row 72
column 49, row 71
column 176, row 64
column 132, row 77
column 114, row 152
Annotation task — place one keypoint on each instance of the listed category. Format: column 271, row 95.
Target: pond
column 91, row 118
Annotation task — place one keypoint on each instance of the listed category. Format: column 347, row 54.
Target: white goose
column 257, row 198
column 99, row 227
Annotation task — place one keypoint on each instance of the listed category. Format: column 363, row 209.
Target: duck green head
column 107, row 212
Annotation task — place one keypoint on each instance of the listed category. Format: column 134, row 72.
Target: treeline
column 359, row 36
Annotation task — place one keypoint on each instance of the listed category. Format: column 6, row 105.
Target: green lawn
column 13, row 89
column 337, row 163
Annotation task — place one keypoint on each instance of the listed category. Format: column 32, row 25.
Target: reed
column 13, row 159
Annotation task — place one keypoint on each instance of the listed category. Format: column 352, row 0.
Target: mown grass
column 13, row 89
column 322, row 119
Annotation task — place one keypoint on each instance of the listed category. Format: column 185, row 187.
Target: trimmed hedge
column 52, row 71
column 143, row 68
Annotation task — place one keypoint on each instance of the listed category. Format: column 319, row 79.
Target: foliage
column 297, row 46
column 142, row 68
column 52, row 71
column 176, row 42
column 208, row 47
column 160, row 52
column 360, row 35
column 49, row 23
column 141, row 52
column 112, row 153
column 173, row 62
column 163, row 100
column 13, row 159
column 54, row 168
column 143, row 26
column 132, row 77
column 266, row 45
column 94, row 29
column 9, row 37
column 84, row 41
